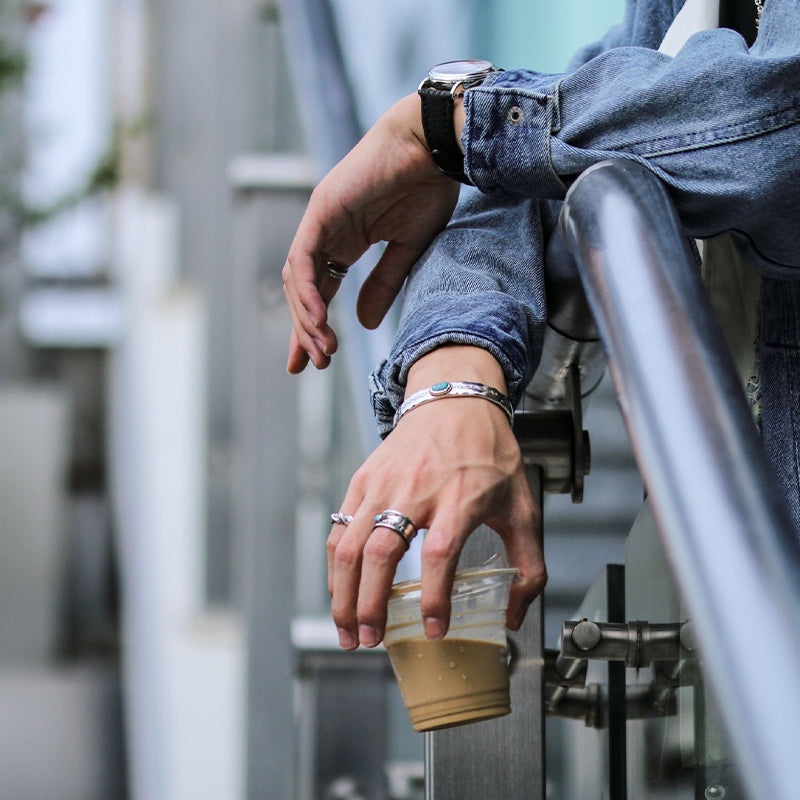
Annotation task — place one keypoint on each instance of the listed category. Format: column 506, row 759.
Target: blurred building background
column 165, row 485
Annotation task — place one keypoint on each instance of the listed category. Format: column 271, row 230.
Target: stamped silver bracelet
column 444, row 389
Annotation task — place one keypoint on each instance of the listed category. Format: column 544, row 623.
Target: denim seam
column 555, row 126
column 554, row 107
column 539, row 97
column 717, row 136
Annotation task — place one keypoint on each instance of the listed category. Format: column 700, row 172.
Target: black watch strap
column 440, row 134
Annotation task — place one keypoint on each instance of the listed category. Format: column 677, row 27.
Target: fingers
column 344, row 575
column 362, row 561
column 309, row 290
column 300, row 279
column 440, row 552
column 383, row 284
column 298, row 357
column 314, row 344
column 449, row 484
column 303, row 347
column 523, row 544
column 382, row 553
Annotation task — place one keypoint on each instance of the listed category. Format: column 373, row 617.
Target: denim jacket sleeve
column 479, row 283
column 718, row 123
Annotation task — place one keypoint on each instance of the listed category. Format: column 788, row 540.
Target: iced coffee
column 464, row 676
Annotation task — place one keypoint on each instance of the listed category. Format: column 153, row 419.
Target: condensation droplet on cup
column 451, row 664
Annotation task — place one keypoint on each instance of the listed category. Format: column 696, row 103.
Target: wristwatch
column 443, row 84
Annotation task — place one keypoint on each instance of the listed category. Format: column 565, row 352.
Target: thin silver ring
column 336, row 271
column 337, row 518
column 398, row 522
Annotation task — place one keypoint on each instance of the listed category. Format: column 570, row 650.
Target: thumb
column 384, row 283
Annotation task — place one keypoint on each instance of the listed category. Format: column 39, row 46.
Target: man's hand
column 386, row 189
column 450, row 465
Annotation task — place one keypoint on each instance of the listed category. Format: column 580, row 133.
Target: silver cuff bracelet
column 455, row 389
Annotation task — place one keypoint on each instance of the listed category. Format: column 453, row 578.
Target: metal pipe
column 723, row 521
column 637, row 643
column 570, row 339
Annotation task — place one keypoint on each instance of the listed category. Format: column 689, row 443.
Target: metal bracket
column 637, row 643
column 556, row 442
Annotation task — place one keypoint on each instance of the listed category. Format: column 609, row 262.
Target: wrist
column 456, row 390
column 455, row 363
column 459, row 117
column 405, row 118
column 442, row 110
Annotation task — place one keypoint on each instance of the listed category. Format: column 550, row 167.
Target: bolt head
column 586, row 635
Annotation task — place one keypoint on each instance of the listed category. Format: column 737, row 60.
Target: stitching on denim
column 555, row 125
column 512, row 90
column 718, row 136
column 554, row 115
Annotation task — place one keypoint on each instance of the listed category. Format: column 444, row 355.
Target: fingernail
column 345, row 639
column 367, row 635
column 434, row 628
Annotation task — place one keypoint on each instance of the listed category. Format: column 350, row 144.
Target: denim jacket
column 719, row 124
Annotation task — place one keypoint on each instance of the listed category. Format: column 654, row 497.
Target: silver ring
column 397, row 522
column 336, row 271
column 337, row 518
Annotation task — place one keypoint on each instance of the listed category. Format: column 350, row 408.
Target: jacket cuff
column 505, row 320
column 506, row 139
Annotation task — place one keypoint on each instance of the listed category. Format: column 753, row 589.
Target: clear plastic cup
column 463, row 677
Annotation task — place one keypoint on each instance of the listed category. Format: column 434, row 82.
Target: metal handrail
column 721, row 517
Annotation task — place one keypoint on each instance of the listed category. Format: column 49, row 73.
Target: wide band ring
column 398, row 522
column 337, row 518
column 336, row 271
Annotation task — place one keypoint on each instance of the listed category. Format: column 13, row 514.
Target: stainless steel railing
column 718, row 509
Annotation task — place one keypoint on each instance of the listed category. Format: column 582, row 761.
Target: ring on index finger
column 337, row 518
column 335, row 270
column 398, row 522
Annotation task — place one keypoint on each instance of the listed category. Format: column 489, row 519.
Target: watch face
column 452, row 72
